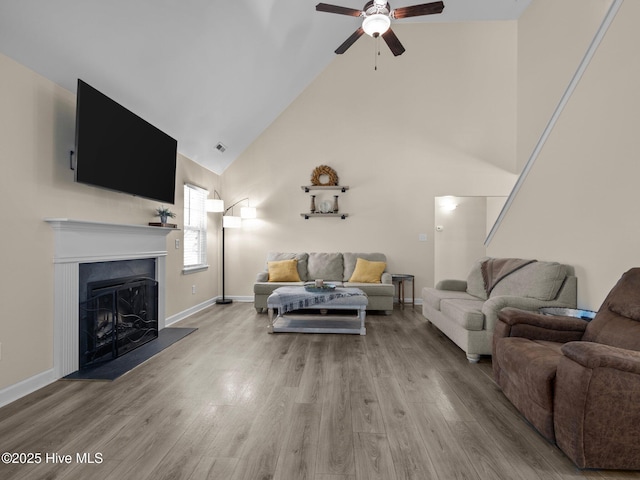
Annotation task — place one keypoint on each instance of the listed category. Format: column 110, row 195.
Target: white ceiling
column 204, row 71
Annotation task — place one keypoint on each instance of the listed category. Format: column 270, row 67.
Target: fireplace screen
column 118, row 316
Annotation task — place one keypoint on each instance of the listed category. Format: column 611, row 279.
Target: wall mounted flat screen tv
column 118, row 150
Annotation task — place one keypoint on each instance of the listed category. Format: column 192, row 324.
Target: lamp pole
column 223, row 300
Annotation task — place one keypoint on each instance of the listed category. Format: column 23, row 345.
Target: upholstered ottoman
column 287, row 300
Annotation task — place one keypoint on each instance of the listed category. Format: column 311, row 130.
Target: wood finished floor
column 235, row 403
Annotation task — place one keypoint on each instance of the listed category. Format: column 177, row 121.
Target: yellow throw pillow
column 367, row 272
column 283, row 271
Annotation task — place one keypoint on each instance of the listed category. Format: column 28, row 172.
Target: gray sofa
column 332, row 268
column 467, row 313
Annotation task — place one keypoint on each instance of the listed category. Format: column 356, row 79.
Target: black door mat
column 115, row 368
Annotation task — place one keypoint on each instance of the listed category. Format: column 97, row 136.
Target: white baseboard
column 25, row 387
column 240, row 298
column 189, row 311
column 201, row 306
column 418, row 301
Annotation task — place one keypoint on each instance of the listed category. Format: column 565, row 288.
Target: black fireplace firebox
column 119, row 315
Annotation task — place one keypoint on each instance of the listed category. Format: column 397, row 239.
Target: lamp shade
column 376, row 24
column 215, row 205
column 248, row 212
column 230, row 221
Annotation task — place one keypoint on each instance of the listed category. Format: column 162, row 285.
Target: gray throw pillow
column 540, row 280
column 475, row 282
column 325, row 266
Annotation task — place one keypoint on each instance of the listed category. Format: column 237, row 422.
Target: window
column 195, row 228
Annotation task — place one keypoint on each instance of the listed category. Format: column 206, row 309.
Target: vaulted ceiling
column 202, row 71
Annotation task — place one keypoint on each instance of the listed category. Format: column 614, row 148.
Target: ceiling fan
column 377, row 20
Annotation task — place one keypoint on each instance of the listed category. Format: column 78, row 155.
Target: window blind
column 195, row 227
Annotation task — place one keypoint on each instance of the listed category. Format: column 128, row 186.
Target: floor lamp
column 231, row 221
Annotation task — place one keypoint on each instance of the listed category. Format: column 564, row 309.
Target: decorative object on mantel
column 164, row 213
column 324, row 176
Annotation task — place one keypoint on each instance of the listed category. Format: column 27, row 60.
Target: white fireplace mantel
column 79, row 241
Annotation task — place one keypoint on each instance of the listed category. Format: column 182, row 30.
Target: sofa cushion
column 616, row 323
column 475, row 282
column 465, row 312
column 262, row 276
column 368, row 272
column 540, row 280
column 350, row 259
column 373, row 289
column 283, row 271
column 325, row 266
column 433, row 296
column 623, row 298
column 302, row 259
column 528, row 373
column 267, row 288
column 611, row 328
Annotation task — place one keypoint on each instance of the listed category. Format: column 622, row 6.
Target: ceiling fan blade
column 392, row 41
column 417, row 10
column 350, row 41
column 325, row 7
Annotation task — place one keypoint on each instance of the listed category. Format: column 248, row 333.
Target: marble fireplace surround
column 77, row 242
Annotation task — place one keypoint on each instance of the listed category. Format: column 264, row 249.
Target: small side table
column 587, row 315
column 401, row 278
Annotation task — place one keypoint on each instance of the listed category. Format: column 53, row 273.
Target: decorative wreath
column 324, row 170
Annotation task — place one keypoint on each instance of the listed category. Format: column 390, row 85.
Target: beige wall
column 439, row 120
column 179, row 286
column 452, row 116
column 553, row 36
column 579, row 202
column 37, row 122
column 459, row 236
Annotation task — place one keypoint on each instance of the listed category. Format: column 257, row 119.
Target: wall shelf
column 307, row 188
column 308, row 215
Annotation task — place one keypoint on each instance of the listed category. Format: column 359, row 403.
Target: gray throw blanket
column 495, row 269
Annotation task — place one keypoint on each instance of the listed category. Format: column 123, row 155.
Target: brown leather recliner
column 578, row 382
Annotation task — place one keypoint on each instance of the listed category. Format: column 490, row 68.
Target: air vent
column 220, row 147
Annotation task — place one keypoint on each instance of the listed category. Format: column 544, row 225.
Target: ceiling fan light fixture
column 376, row 24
